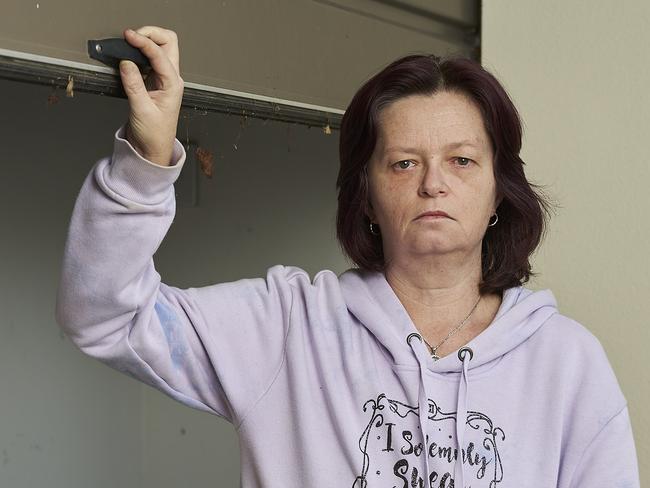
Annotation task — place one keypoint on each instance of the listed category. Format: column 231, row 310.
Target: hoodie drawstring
column 465, row 355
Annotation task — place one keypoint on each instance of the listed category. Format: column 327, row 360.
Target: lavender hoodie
column 326, row 379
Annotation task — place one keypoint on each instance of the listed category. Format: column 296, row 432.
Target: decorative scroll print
column 392, row 453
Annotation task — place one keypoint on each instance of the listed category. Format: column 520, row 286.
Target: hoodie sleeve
column 215, row 348
column 610, row 459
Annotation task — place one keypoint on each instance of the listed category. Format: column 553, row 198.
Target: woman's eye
column 401, row 163
column 463, row 162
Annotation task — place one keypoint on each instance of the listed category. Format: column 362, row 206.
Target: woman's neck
column 436, row 311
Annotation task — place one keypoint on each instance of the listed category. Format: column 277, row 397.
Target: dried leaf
column 205, row 160
column 69, row 89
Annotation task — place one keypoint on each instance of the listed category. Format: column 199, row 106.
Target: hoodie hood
column 371, row 299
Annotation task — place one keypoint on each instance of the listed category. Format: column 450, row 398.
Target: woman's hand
column 154, row 104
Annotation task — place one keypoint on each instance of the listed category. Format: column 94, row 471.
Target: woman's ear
column 367, row 206
column 498, row 202
column 370, row 213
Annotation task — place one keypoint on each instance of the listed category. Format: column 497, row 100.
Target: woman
column 430, row 361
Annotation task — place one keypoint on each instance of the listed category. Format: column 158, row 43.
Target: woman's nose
column 433, row 180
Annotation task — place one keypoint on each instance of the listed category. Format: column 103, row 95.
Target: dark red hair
column 523, row 212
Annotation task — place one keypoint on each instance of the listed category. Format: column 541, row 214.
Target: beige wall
column 579, row 74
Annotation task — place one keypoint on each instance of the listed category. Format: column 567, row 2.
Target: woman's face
column 416, row 166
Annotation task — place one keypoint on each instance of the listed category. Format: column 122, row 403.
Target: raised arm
column 217, row 348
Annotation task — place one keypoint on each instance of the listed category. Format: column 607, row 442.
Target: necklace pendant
column 435, row 358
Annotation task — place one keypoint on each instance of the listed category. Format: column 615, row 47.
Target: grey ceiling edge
column 464, row 34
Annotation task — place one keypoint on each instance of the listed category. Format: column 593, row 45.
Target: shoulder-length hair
column 523, row 212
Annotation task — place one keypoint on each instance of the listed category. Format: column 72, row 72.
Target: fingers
column 159, row 60
column 133, row 85
column 165, row 38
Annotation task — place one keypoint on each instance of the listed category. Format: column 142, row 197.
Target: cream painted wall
column 579, row 75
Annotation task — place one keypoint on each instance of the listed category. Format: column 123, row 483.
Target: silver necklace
column 452, row 332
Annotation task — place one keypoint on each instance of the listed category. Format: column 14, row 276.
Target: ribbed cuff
column 137, row 178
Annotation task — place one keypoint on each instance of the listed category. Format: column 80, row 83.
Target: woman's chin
column 433, row 248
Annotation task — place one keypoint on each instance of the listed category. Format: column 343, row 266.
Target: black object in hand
column 112, row 50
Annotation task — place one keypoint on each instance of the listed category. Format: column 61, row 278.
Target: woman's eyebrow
column 451, row 145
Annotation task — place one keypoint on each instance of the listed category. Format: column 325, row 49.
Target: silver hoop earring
column 495, row 221
column 374, row 233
